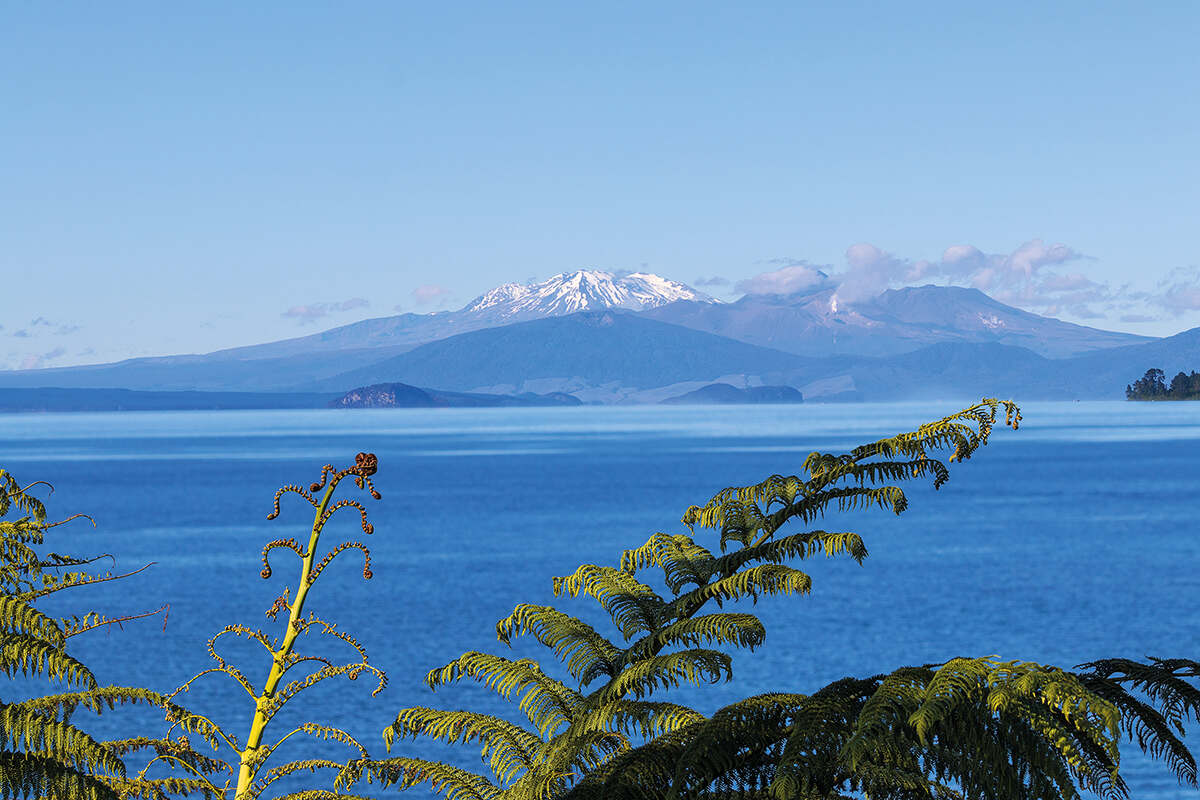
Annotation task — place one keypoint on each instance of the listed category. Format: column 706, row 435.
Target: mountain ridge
column 894, row 322
column 850, row 342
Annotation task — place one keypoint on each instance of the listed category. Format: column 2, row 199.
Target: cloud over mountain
column 793, row 277
column 312, row 312
column 1033, row 276
column 430, row 294
column 1179, row 292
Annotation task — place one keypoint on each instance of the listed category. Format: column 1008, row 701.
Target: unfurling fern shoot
column 284, row 680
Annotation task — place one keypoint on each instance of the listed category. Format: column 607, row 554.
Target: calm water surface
column 1072, row 539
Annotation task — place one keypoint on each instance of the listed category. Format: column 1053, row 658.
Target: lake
column 1072, row 539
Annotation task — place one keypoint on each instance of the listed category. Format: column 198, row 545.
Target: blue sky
column 182, row 178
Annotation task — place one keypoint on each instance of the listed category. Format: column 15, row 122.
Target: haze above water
column 1072, row 539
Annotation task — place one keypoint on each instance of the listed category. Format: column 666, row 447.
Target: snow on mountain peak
column 582, row 290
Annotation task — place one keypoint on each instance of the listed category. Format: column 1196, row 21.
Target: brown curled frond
column 367, row 527
column 326, row 471
column 366, row 464
column 237, row 630
column 282, row 603
column 224, row 669
column 68, row 519
column 290, row 544
column 295, row 659
column 331, row 630
column 369, row 486
column 291, row 487
column 351, row 671
column 100, row 622
column 58, row 561
column 71, row 582
column 367, row 574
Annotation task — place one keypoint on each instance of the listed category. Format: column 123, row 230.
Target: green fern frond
column 443, row 779
column 30, row 655
column 682, row 560
column 738, row 746
column 508, row 748
column 19, row 617
column 178, row 749
column 640, row 678
column 636, row 718
column 740, row 630
column 30, row 731
column 165, row 788
column 548, row 703
column 798, row 545
column 586, row 653
column 26, row 775
column 633, row 606
column 1157, row 728
column 321, row 794
column 768, row 579
column 13, row 494
column 645, row 772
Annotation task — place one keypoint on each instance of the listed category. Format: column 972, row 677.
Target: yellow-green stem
column 249, row 765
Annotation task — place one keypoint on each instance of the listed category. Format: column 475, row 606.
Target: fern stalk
column 258, row 725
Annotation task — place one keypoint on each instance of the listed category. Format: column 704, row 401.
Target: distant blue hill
column 594, row 347
column 57, row 399
column 387, row 396
column 622, row 356
column 216, row 372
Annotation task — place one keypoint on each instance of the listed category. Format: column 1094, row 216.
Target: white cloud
column 1179, row 292
column 39, row 360
column 312, row 312
column 795, row 276
column 429, row 294
column 39, row 325
column 1030, row 276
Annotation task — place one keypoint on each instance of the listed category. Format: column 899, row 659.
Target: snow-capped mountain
column 896, row 323
column 565, row 293
column 581, row 290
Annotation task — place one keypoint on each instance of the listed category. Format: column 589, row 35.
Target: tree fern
column 966, row 728
column 42, row 753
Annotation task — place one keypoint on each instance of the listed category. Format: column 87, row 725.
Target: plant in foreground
column 42, row 752
column 967, row 728
column 253, row 775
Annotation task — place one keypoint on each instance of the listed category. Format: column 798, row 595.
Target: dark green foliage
column 968, row 728
column 1153, row 386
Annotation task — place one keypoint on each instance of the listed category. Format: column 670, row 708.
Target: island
column 723, row 393
column 402, row 395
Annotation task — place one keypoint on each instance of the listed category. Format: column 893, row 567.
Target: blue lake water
column 1072, row 539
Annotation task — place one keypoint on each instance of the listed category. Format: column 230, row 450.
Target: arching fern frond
column 548, row 703
column 508, row 748
column 633, row 606
column 28, row 775
column 666, row 670
column 1157, row 726
column 587, row 654
column 451, row 782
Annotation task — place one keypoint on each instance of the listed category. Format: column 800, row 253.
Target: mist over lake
column 1071, row 539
